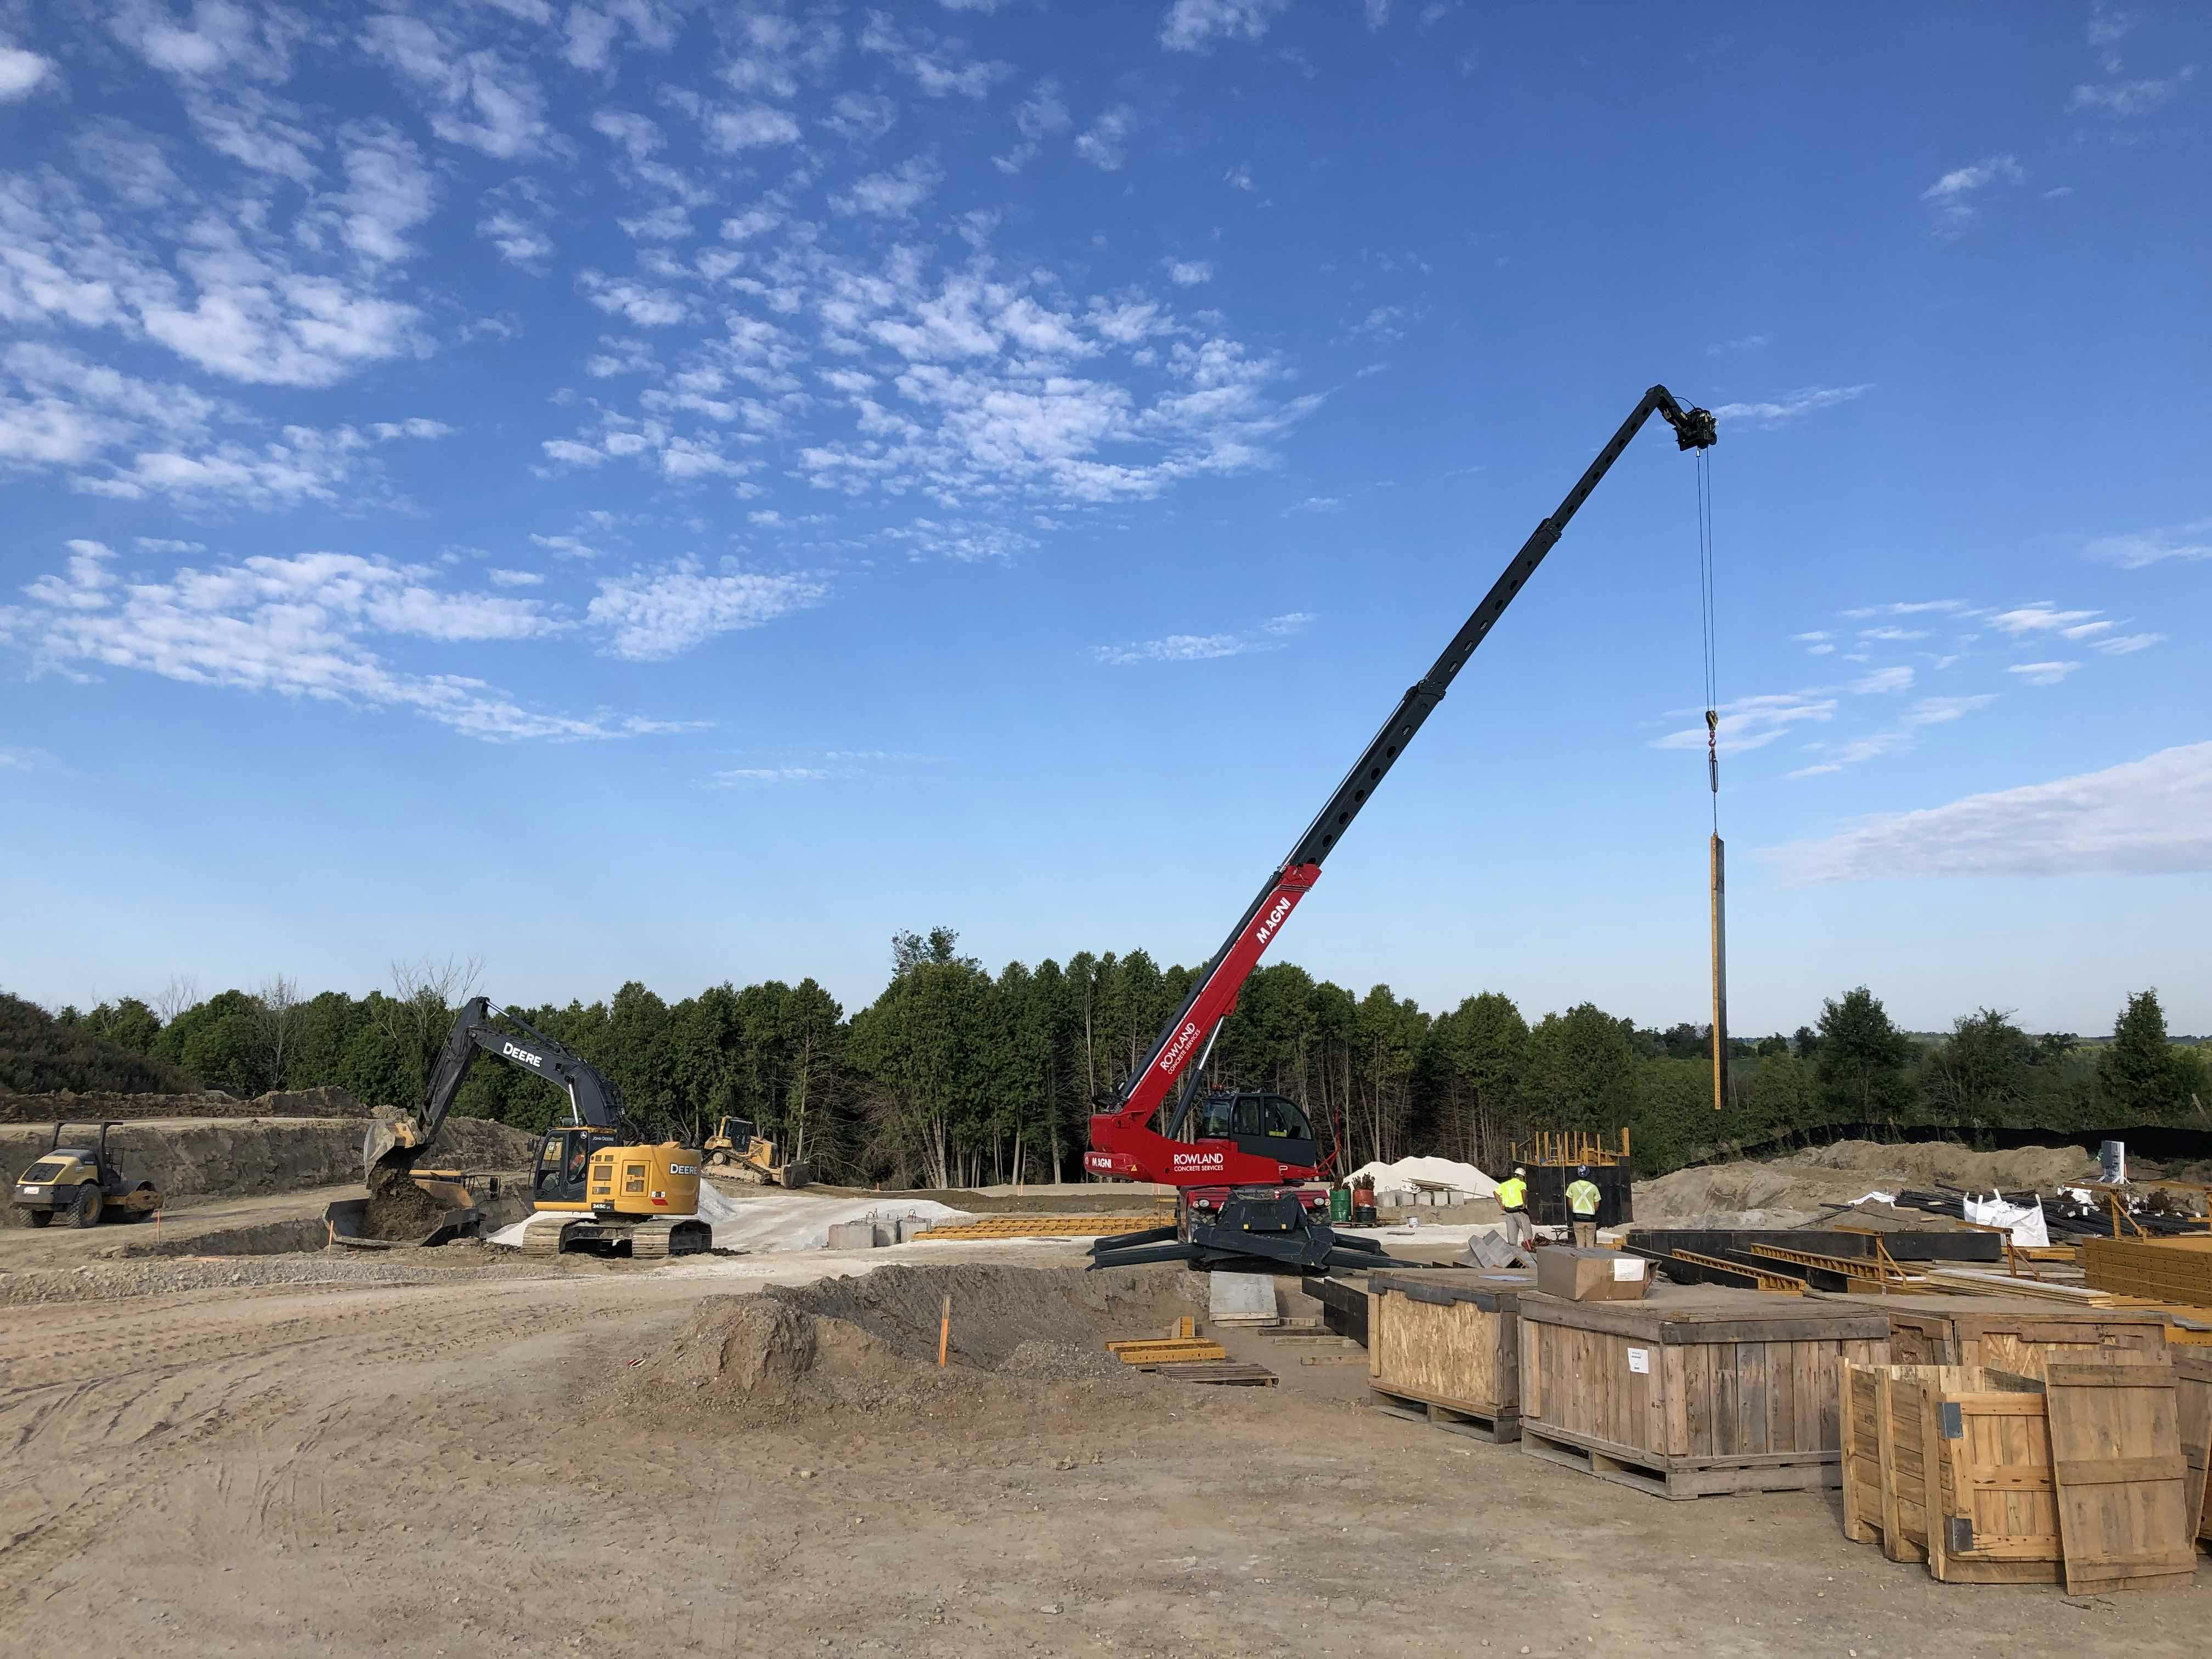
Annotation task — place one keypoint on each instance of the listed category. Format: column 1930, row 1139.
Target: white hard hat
column 1518, row 1170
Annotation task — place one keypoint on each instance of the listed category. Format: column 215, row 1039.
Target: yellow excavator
column 595, row 1185
column 736, row 1146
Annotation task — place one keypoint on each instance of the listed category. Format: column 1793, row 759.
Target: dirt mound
column 870, row 1340
column 1845, row 1170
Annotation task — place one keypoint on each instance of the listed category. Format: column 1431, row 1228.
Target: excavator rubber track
column 654, row 1240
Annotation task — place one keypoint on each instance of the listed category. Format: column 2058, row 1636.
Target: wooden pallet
column 1686, row 1477
column 1457, row 1416
column 1223, row 1372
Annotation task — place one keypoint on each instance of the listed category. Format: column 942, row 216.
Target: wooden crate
column 2020, row 1337
column 1989, row 1509
column 1884, row 1479
column 1445, row 1346
column 1698, row 1391
column 2192, row 1372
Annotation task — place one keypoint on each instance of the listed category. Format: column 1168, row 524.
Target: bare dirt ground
column 472, row 1464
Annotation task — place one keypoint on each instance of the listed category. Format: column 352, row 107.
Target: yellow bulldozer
column 735, row 1147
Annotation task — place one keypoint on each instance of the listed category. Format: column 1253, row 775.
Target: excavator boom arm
column 592, row 1099
column 1214, row 997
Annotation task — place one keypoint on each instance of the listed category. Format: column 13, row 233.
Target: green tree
column 1581, row 1070
column 2142, row 1074
column 1981, row 1073
column 1861, row 1057
column 128, row 1024
column 1483, row 1047
column 220, row 1042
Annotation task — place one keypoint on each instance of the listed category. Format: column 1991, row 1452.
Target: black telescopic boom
column 1694, row 428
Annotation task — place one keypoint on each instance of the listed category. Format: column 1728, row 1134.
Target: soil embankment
column 65, row 1107
column 192, row 1159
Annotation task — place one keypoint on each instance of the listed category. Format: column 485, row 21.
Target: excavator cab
column 563, row 1176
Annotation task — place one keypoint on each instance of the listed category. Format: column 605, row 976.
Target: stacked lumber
column 2165, row 1269
column 1045, row 1226
column 1991, row 1478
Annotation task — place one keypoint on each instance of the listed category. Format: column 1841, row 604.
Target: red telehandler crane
column 1244, row 1197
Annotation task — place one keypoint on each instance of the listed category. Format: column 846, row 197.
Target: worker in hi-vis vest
column 1582, row 1200
column 1513, row 1199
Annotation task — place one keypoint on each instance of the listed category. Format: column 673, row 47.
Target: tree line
column 957, row 1076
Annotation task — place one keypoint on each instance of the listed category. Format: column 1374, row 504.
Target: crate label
column 1640, row 1361
column 1630, row 1267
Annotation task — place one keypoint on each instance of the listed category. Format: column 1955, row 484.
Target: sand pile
column 870, row 1340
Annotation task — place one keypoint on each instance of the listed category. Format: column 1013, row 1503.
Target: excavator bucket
column 389, row 1148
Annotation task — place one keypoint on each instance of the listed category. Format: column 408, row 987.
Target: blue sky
column 632, row 489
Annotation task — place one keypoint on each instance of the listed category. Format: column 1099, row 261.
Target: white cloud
column 1790, row 405
column 1750, row 723
column 1378, row 13
column 861, row 117
column 1188, row 273
column 300, row 627
column 750, row 126
column 741, row 774
column 1271, row 635
column 1730, row 347
column 651, row 615
column 2121, row 99
column 2040, row 618
column 895, row 194
column 20, row 72
column 246, row 306
column 1317, row 504
column 1952, row 195
column 566, row 547
column 1938, row 711
column 1893, row 634
column 646, row 307
column 938, row 67
column 415, row 427
column 501, row 578
column 2147, row 547
column 2123, row 645
column 1040, row 115
column 1836, row 757
column 2043, row 673
column 1907, row 608
column 476, row 98
column 1195, row 25
column 388, row 192
column 1238, row 178
column 1883, row 680
column 2151, row 817
column 1105, row 143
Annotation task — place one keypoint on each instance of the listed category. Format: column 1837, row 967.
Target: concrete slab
column 1245, row 1298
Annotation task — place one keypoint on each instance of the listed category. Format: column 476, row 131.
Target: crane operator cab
column 1265, row 1125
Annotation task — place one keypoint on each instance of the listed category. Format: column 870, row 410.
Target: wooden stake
column 1720, row 975
column 943, row 1332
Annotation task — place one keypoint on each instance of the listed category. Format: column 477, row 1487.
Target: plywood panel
column 1453, row 1352
column 2192, row 1375
column 2120, row 1477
